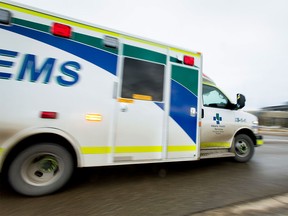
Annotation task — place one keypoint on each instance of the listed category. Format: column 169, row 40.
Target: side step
column 215, row 153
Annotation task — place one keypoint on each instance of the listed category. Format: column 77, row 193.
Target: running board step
column 215, row 153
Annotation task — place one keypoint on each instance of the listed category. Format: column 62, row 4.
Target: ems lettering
column 29, row 67
column 68, row 69
column 5, row 62
column 34, row 71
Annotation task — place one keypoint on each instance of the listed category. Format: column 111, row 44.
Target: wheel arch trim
column 43, row 134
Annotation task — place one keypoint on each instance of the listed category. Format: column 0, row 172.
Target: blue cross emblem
column 217, row 118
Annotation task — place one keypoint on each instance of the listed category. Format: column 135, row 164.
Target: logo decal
column 217, row 118
column 242, row 120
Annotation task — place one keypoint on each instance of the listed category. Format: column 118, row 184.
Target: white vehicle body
column 103, row 98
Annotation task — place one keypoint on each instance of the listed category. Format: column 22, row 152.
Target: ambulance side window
column 142, row 80
column 213, row 97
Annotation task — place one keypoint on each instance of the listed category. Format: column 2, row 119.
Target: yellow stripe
column 95, row 150
column 215, row 144
column 1, row 150
column 198, row 55
column 143, row 41
column 181, row 148
column 137, row 149
column 134, row 149
column 57, row 19
column 100, row 30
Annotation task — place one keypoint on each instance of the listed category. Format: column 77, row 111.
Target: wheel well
column 248, row 133
column 38, row 138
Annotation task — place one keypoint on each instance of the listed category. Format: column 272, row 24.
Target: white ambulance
column 77, row 95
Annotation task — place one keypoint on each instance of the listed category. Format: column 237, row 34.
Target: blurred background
column 273, row 119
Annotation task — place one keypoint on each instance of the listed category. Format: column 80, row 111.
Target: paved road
column 275, row 139
column 187, row 188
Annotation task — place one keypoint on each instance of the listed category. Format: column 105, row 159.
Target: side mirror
column 240, row 101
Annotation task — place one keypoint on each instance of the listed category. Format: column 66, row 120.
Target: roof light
column 48, row 115
column 5, row 17
column 188, row 60
column 61, row 30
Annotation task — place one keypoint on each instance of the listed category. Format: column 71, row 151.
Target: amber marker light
column 93, row 117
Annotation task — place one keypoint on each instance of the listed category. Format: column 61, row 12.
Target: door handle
column 123, row 107
column 193, row 111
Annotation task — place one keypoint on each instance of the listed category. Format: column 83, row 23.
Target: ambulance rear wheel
column 40, row 169
column 243, row 147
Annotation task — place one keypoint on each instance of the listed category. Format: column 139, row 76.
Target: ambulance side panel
column 131, row 101
column 73, row 78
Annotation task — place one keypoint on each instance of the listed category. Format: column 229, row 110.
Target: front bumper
column 259, row 140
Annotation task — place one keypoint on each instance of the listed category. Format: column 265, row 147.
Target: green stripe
column 85, row 39
column 187, row 77
column 144, row 54
column 29, row 24
column 174, row 60
column 92, row 28
column 57, row 19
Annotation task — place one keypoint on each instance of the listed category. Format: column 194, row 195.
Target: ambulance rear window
column 142, row 80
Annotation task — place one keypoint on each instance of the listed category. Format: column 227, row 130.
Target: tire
column 40, row 169
column 243, row 147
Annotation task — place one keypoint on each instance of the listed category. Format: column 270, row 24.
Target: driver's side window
column 213, row 97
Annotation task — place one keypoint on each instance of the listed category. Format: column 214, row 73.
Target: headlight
column 255, row 122
column 255, row 126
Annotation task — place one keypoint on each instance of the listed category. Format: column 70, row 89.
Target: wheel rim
column 242, row 148
column 42, row 169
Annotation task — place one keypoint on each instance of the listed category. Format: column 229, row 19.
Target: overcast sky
column 244, row 42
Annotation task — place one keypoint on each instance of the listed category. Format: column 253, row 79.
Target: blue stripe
column 181, row 102
column 5, row 75
column 102, row 59
column 8, row 53
column 4, row 63
column 181, row 99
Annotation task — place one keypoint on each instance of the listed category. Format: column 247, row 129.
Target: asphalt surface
column 275, row 205
column 206, row 187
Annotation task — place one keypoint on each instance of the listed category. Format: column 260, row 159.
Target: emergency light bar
column 188, row 60
column 5, row 17
column 61, row 30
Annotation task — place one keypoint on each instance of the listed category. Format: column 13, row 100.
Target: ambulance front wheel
column 40, row 169
column 243, row 147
